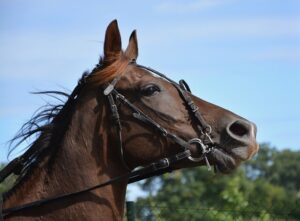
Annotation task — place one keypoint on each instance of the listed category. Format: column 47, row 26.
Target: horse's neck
column 87, row 157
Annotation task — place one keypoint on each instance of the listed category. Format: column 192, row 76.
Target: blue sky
column 241, row 55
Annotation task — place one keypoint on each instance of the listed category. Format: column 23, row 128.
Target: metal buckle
column 193, row 106
column 209, row 138
column 162, row 164
column 111, row 86
column 208, row 130
column 183, row 155
column 108, row 89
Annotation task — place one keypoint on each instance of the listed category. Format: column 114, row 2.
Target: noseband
column 204, row 143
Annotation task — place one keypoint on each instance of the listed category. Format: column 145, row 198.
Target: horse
column 123, row 122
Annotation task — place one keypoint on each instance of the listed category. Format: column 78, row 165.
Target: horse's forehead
column 136, row 75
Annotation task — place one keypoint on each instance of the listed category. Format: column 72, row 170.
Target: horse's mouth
column 223, row 160
column 226, row 160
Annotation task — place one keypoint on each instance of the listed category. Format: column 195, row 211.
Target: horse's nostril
column 239, row 128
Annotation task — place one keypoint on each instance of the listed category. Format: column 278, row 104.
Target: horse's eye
column 150, row 90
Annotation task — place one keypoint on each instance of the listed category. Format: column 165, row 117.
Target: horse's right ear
column 132, row 50
column 112, row 42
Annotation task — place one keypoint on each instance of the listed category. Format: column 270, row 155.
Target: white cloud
column 30, row 54
column 246, row 28
column 187, row 6
column 279, row 54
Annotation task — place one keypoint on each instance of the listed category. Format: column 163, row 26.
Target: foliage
column 7, row 183
column 278, row 167
column 266, row 188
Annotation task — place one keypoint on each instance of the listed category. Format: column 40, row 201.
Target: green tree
column 7, row 183
column 260, row 190
column 278, row 167
column 285, row 170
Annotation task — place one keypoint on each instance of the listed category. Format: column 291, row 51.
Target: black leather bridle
column 204, row 144
column 183, row 89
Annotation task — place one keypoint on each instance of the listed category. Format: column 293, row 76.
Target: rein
column 204, row 144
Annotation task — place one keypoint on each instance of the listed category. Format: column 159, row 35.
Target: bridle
column 204, row 144
column 183, row 89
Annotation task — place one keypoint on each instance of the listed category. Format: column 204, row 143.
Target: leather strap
column 154, row 169
column 157, row 168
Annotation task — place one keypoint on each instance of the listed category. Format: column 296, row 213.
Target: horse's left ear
column 132, row 50
column 112, row 41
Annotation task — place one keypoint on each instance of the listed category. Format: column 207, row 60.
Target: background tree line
column 265, row 188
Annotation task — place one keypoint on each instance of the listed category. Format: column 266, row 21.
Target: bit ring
column 201, row 145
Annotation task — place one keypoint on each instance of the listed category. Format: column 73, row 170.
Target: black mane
column 49, row 124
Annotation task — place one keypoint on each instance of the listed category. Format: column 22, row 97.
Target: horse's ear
column 112, row 42
column 132, row 50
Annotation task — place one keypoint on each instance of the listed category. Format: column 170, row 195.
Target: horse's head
column 229, row 137
column 141, row 117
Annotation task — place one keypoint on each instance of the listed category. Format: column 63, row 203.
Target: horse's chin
column 223, row 161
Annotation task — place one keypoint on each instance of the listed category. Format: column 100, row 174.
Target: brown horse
column 79, row 145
